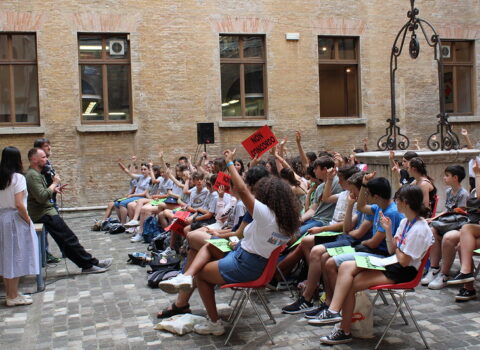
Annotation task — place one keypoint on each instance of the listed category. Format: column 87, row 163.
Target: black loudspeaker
column 205, row 133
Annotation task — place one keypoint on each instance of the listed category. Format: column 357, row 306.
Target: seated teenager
column 469, row 241
column 417, row 169
column 320, row 213
column 409, row 245
column 376, row 192
column 275, row 218
column 141, row 190
column 456, row 197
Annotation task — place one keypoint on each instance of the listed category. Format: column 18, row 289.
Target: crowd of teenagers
column 280, row 199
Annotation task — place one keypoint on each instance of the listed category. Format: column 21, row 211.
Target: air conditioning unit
column 116, row 47
column 446, row 51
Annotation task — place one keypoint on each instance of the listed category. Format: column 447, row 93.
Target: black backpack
column 161, row 274
column 159, row 262
column 116, row 229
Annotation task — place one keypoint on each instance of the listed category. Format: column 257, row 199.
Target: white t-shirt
column 164, row 185
column 340, row 208
column 7, row 196
column 224, row 206
column 470, row 166
column 197, row 199
column 210, row 203
column 262, row 235
column 416, row 242
column 143, row 183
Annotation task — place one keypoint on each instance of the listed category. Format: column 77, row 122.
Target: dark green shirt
column 39, row 196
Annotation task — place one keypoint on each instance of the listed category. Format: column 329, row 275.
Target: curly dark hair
column 278, row 196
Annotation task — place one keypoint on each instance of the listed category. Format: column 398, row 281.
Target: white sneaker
column 137, row 238
column 132, row 223
column 179, row 282
column 209, row 327
column 169, row 252
column 132, row 230
column 439, row 282
column 430, row 276
column 18, row 301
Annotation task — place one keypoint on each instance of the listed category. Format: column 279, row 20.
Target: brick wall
column 176, row 80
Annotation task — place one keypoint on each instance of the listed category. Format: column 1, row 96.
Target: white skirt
column 19, row 254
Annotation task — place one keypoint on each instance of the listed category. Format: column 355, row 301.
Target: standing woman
column 418, row 170
column 18, row 239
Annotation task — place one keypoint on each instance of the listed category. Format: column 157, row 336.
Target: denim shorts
column 125, row 202
column 241, row 266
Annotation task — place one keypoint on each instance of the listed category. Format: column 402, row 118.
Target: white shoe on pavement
column 137, row 238
column 19, row 300
column 179, row 282
column 209, row 327
column 430, row 276
column 439, row 282
column 132, row 223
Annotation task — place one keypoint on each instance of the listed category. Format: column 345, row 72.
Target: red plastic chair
column 401, row 290
column 258, row 285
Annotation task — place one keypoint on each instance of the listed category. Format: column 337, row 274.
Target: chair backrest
column 266, row 275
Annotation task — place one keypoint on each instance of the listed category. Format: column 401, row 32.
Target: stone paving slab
column 116, row 310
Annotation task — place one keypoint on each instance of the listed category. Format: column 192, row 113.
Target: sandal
column 175, row 310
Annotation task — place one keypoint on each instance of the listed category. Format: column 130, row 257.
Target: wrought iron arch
column 444, row 138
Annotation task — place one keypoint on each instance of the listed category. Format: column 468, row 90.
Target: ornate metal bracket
column 444, row 137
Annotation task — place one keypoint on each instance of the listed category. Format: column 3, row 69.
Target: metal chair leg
column 245, row 297
column 261, row 320
column 286, row 282
column 233, row 296
column 237, row 304
column 392, row 294
column 389, row 323
column 416, row 324
column 264, row 301
column 385, row 302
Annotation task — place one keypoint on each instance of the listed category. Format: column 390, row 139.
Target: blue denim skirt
column 241, row 266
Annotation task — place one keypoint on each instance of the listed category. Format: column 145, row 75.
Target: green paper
column 327, row 234
column 364, row 262
column 340, row 250
column 298, row 240
column 157, row 201
column 220, row 243
column 477, row 251
column 121, row 199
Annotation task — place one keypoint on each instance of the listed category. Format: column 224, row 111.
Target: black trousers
column 68, row 241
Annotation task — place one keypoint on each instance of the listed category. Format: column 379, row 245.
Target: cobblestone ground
column 116, row 310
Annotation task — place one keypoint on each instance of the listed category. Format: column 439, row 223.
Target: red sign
column 260, row 141
column 222, row 180
column 178, row 222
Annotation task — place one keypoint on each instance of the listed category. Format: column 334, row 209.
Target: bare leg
column 131, row 209
column 11, row 287
column 307, row 243
column 449, row 248
column 123, row 214
column 206, row 254
column 108, row 212
column 138, row 208
column 206, row 279
column 287, row 264
column 331, row 272
column 145, row 212
column 468, row 242
column 436, row 250
column 314, row 271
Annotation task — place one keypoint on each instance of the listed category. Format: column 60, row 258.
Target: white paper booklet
column 385, row 261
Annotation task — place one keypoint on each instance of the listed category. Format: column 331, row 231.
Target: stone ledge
column 18, row 130
column 464, row 119
column 341, row 121
column 107, row 128
column 245, row 123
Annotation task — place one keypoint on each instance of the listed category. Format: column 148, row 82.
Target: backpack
column 137, row 258
column 159, row 262
column 107, row 224
column 150, row 229
column 160, row 275
column 116, row 229
column 160, row 242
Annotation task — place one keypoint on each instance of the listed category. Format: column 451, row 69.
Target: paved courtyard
column 116, row 310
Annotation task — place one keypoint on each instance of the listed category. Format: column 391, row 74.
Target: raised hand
column 229, row 155
column 331, row 173
column 476, row 168
column 368, row 177
column 464, row 132
column 385, row 222
column 298, row 136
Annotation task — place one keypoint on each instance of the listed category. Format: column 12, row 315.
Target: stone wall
column 176, row 82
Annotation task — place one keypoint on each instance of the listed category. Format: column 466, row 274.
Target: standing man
column 49, row 173
column 41, row 209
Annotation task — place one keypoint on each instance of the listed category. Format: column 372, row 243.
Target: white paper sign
column 385, row 261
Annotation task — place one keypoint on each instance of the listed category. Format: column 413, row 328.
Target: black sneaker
column 272, row 285
column 465, row 295
column 461, row 278
column 301, row 305
column 316, row 312
column 337, row 336
column 325, row 317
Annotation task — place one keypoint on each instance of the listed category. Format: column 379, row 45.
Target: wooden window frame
column 242, row 61
column 336, row 60
column 10, row 62
column 104, row 62
column 454, row 64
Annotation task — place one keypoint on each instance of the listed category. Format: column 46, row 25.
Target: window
column 338, row 76
column 242, row 66
column 105, row 78
column 18, row 80
column 458, row 76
